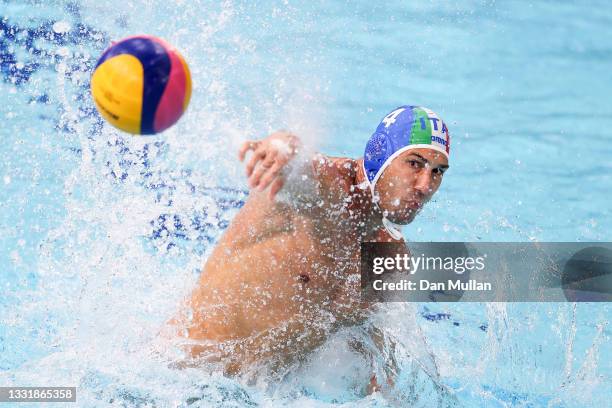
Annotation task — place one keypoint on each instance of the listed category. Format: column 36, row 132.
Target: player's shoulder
column 335, row 167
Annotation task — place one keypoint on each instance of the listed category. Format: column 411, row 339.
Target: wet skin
column 286, row 274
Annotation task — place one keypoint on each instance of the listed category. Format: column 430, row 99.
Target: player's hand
column 270, row 157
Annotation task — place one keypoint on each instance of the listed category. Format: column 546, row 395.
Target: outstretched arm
column 270, row 157
column 282, row 161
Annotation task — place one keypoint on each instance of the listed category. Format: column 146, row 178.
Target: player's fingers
column 275, row 187
column 246, row 146
column 257, row 155
column 261, row 169
column 270, row 175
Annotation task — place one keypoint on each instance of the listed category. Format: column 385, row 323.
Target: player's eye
column 415, row 164
column 438, row 171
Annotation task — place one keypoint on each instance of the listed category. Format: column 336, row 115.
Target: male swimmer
column 286, row 273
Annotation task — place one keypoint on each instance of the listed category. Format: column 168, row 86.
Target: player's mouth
column 413, row 205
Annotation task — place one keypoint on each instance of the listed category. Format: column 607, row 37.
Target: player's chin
column 402, row 216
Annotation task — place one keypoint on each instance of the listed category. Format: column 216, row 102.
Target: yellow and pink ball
column 141, row 85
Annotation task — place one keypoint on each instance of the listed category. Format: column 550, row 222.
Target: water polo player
column 285, row 273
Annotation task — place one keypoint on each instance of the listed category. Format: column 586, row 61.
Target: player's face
column 409, row 182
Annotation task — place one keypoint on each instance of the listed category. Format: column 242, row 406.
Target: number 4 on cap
column 390, row 118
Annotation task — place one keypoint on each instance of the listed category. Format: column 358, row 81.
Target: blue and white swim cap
column 405, row 128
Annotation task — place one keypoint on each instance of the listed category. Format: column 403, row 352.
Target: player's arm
column 267, row 164
column 282, row 161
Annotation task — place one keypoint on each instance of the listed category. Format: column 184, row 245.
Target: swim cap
column 405, row 128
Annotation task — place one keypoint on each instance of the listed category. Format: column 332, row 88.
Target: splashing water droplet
column 61, row 27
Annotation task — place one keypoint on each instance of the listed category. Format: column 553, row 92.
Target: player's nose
column 423, row 183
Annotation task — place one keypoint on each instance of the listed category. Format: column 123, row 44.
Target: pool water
column 102, row 234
